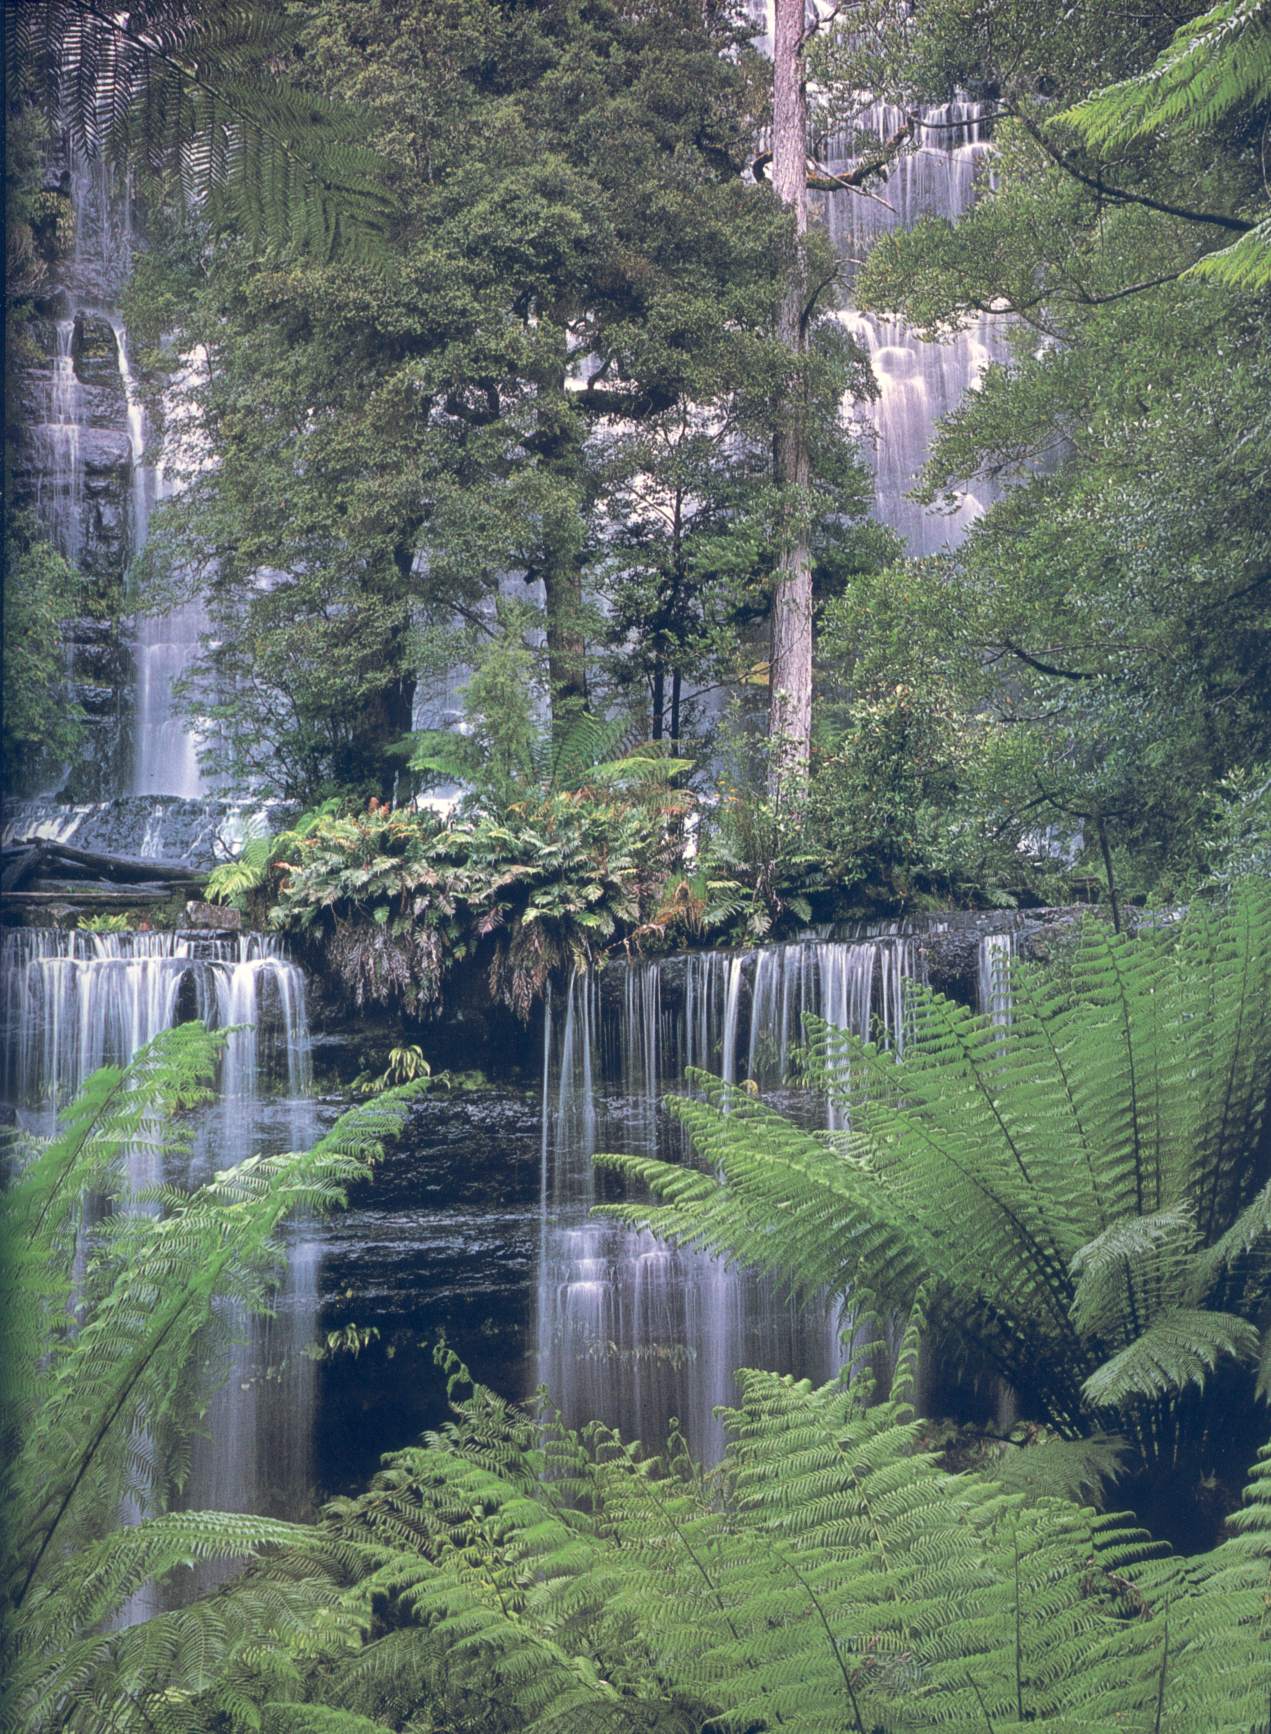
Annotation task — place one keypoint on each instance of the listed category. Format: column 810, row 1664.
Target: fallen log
column 125, row 899
column 23, row 859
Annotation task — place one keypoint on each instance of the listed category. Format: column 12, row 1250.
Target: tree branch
column 1122, row 195
column 1049, row 667
column 823, row 180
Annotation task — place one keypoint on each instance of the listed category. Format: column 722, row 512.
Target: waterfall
column 630, row 1331
column 59, row 491
column 165, row 747
column 88, row 478
column 75, row 1000
column 918, row 382
column 993, row 975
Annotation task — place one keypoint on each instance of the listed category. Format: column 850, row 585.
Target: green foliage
column 104, row 923
column 109, row 1359
column 901, row 805
column 1104, row 621
column 507, row 760
column 1216, row 64
column 195, row 94
column 399, row 896
column 508, row 1574
column 42, row 727
column 406, row 1065
column 234, row 881
column 1240, row 831
column 447, row 443
column 1084, row 1194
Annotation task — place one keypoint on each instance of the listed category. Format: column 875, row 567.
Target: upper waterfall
column 85, row 466
column 918, row 382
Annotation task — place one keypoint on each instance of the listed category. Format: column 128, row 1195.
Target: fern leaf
column 1178, row 1349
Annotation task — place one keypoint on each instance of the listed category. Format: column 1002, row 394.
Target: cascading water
column 74, row 1001
column 993, row 975
column 165, row 746
column 59, row 492
column 918, row 382
column 629, row 1331
column 87, row 475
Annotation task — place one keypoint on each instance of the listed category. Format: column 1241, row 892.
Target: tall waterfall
column 629, row 1331
column 73, row 1001
column 165, row 746
column 88, row 475
column 918, row 382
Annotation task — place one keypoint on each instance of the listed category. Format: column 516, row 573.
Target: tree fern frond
column 1069, row 1187
column 1244, row 265
column 1178, row 1349
column 1214, row 63
column 182, row 90
column 103, row 1395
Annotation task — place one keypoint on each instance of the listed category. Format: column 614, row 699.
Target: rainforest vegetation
column 521, row 418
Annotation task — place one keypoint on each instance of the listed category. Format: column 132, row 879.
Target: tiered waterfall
column 629, row 1331
column 918, row 383
column 74, row 1001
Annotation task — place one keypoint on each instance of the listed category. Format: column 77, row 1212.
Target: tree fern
column 1085, row 1191
column 829, row 1575
column 184, row 91
column 111, row 1332
column 1215, row 64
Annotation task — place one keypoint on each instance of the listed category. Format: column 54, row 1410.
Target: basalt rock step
column 74, row 897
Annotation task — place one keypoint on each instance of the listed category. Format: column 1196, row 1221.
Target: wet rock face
column 198, row 833
column 443, row 1240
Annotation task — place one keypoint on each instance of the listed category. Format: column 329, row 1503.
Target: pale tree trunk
column 790, row 669
column 558, row 443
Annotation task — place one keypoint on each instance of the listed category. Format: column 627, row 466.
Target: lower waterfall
column 76, row 1000
column 629, row 1331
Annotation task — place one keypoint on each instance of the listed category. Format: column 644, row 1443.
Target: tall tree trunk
column 566, row 648
column 558, row 441
column 790, row 668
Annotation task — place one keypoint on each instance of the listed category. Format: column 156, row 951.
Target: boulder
column 217, row 915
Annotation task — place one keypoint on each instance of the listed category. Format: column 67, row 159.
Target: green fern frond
column 183, row 90
column 1213, row 64
column 1244, row 265
column 1076, row 1190
column 1178, row 1349
column 114, row 1335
